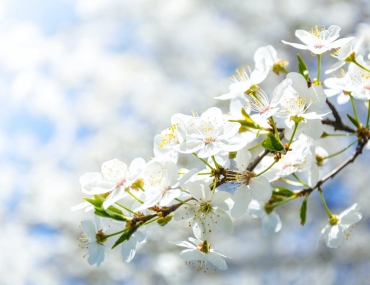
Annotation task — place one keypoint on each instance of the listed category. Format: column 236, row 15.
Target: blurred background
column 86, row 81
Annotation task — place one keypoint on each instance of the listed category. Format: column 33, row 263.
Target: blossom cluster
column 246, row 161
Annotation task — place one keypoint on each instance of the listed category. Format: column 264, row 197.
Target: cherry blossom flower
column 210, row 134
column 339, row 85
column 94, row 239
column 266, row 107
column 269, row 54
column 270, row 221
column 249, row 185
column 243, row 81
column 360, row 79
column 163, row 183
column 167, row 143
column 201, row 252
column 301, row 102
column 318, row 40
column 335, row 232
column 128, row 247
column 207, row 211
column 343, row 53
column 114, row 178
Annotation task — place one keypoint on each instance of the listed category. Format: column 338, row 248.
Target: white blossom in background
column 210, row 134
column 343, row 53
column 167, row 143
column 93, row 239
column 115, row 177
column 270, row 221
column 304, row 103
column 340, row 85
column 207, row 211
column 162, row 183
column 360, row 80
column 335, row 232
column 128, row 248
column 248, row 185
column 318, row 40
column 243, row 81
column 200, row 252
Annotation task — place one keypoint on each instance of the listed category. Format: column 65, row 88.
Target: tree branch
column 337, row 124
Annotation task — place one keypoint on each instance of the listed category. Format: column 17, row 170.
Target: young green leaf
column 272, row 143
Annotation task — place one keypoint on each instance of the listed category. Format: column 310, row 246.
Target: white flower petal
column 260, row 188
column 242, row 198
column 216, row 260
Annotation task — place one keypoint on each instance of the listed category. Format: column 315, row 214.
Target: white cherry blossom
column 269, row 55
column 114, row 178
column 360, row 80
column 210, row 134
column 202, row 253
column 167, row 143
column 318, row 40
column 243, row 81
column 162, row 183
column 335, row 231
column 207, row 211
column 128, row 247
column 343, row 53
column 249, row 185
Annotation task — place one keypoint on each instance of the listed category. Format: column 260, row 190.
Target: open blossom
column 335, row 232
column 300, row 158
column 162, row 183
column 94, row 239
column 207, row 211
column 249, row 185
column 114, row 178
column 210, row 134
column 201, row 252
column 305, row 104
column 318, row 40
column 128, row 248
column 339, row 85
column 243, row 81
column 270, row 220
column 269, row 54
column 266, row 107
column 167, row 143
column 343, row 53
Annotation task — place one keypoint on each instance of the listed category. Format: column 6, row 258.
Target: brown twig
column 337, row 124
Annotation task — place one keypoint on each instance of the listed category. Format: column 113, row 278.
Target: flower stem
column 275, row 129
column 284, row 201
column 354, row 108
column 324, row 204
column 295, row 129
column 214, row 160
column 133, row 196
column 150, row 221
column 338, row 135
column 318, row 68
column 114, row 234
column 360, row 65
column 339, row 152
column 127, row 209
column 205, row 162
column 299, row 180
column 272, row 164
column 254, row 147
column 287, row 181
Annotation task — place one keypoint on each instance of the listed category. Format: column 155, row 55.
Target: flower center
column 209, row 140
column 205, row 208
column 169, row 137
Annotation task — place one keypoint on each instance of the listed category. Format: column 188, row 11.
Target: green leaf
column 282, row 191
column 126, row 235
column 303, row 211
column 353, row 121
column 101, row 213
column 164, row 220
column 272, row 143
column 93, row 202
column 302, row 67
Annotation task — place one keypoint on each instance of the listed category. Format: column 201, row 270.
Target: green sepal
column 118, row 217
column 282, row 191
column 162, row 221
column 302, row 68
column 272, row 143
column 93, row 202
column 129, row 231
column 246, row 123
column 303, row 211
column 101, row 213
column 354, row 121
